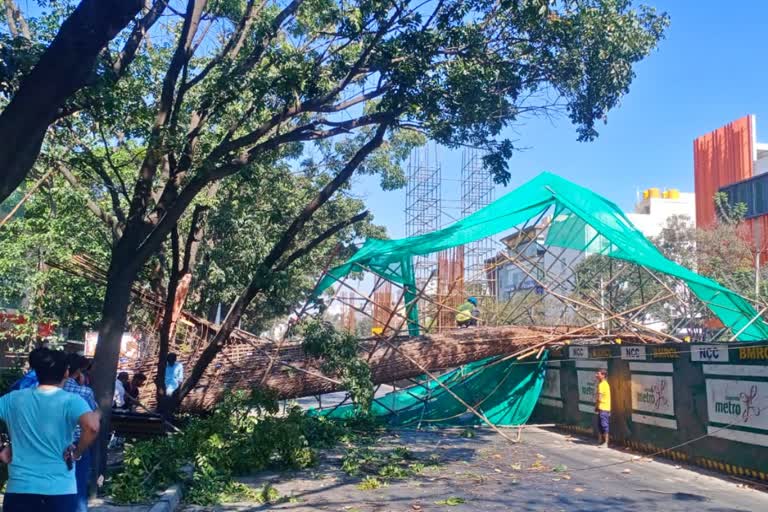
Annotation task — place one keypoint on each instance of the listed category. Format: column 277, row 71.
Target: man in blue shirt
column 83, row 468
column 41, row 422
column 174, row 374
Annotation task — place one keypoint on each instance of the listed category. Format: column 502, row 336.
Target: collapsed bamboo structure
column 244, row 361
column 248, row 360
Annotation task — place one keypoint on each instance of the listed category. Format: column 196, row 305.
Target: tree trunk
column 16, row 23
column 113, row 319
column 179, row 283
column 221, row 338
column 264, row 272
column 65, row 67
column 244, row 359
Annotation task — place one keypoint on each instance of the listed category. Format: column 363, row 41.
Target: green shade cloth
column 505, row 392
column 583, row 221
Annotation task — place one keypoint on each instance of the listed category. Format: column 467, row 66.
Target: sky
column 709, row 70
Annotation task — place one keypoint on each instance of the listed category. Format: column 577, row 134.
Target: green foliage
column 380, row 466
column 279, row 117
column 43, row 236
column 451, row 502
column 371, row 483
column 727, row 213
column 244, row 434
column 338, row 351
column 247, row 217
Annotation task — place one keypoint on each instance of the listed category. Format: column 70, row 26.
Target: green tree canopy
column 222, row 91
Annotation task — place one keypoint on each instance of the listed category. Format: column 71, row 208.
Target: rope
column 476, row 405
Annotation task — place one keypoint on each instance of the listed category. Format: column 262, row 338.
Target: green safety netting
column 504, row 391
column 582, row 220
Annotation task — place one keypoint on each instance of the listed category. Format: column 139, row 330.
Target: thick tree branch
column 165, row 327
column 110, row 221
column 325, row 235
column 324, row 195
column 139, row 32
column 170, row 215
column 17, row 25
column 64, row 68
column 194, row 237
column 165, row 222
column 143, row 188
column 263, row 274
column 306, row 132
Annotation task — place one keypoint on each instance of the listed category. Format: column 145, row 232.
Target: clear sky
column 711, row 68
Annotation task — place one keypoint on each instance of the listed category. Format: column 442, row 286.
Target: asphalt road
column 546, row 472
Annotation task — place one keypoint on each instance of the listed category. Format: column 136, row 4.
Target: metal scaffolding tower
column 476, row 192
column 422, row 202
column 422, row 195
column 423, row 213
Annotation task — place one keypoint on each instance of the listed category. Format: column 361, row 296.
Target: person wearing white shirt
column 118, row 401
column 174, row 374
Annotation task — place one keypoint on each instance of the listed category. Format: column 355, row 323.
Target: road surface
column 546, row 472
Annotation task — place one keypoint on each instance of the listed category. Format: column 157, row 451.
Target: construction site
column 590, row 292
column 560, row 283
column 382, row 256
column 407, row 292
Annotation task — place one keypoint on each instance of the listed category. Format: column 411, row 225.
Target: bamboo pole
column 24, row 199
column 450, row 392
column 749, row 323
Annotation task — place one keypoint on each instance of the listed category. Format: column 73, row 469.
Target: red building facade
column 731, row 160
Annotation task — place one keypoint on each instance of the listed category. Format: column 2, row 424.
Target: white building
column 527, row 266
column 532, row 264
column 656, row 208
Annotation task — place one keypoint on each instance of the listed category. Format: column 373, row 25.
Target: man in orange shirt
column 603, row 407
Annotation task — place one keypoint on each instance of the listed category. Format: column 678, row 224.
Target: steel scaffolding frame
column 423, row 208
column 477, row 191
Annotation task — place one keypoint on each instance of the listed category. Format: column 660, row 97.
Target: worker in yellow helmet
column 468, row 313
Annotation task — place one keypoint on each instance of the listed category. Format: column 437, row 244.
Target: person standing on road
column 83, row 467
column 174, row 374
column 41, row 422
column 603, row 407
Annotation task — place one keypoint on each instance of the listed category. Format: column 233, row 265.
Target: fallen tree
column 244, row 361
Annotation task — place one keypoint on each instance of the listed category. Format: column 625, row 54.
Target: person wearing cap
column 468, row 313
